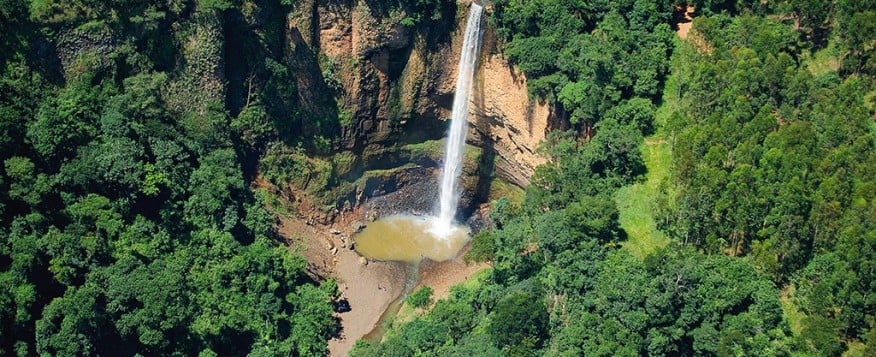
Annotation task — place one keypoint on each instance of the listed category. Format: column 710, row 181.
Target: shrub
column 421, row 298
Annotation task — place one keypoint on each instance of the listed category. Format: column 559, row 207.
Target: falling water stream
column 454, row 152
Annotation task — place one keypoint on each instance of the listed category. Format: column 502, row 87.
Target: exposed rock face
column 396, row 83
column 507, row 120
column 369, row 57
column 503, row 116
column 511, row 124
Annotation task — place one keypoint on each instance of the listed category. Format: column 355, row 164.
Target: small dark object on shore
column 342, row 306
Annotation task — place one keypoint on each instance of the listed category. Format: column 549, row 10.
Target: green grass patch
column 275, row 204
column 823, row 61
column 433, row 149
column 856, row 349
column 870, row 100
column 476, row 280
column 792, row 314
column 343, row 163
column 499, row 188
column 636, row 202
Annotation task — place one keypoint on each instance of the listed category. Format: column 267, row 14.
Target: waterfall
column 454, row 151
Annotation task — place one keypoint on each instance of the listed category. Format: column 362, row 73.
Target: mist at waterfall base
column 411, row 238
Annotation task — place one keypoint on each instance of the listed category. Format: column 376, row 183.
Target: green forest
column 130, row 140
column 127, row 222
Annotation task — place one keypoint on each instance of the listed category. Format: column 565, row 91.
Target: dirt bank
column 684, row 19
column 441, row 276
column 370, row 290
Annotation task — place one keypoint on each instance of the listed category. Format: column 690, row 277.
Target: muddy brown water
column 409, row 239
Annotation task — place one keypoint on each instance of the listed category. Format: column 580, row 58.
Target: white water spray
column 453, row 157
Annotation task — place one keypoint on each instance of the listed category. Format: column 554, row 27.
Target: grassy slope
column 636, row 202
column 500, row 188
column 792, row 313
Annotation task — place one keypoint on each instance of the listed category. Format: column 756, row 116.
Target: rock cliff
column 395, row 82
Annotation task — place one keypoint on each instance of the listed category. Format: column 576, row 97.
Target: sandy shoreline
column 369, row 286
column 370, row 289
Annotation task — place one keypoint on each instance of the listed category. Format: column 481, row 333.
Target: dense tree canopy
column 777, row 163
column 127, row 225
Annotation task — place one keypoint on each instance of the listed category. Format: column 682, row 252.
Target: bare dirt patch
column 370, row 290
column 684, row 20
column 441, row 276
